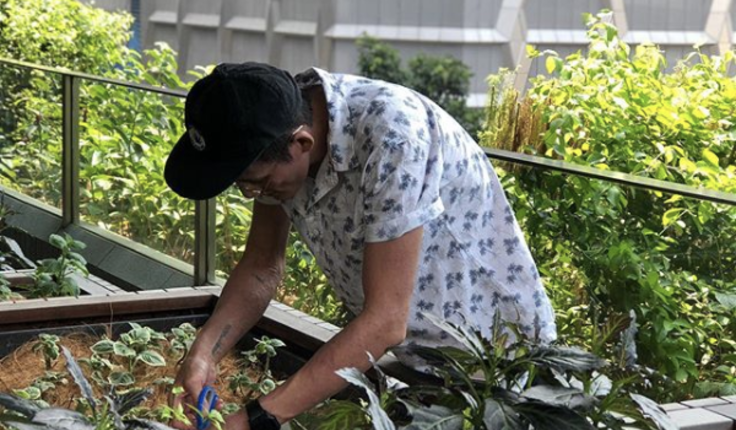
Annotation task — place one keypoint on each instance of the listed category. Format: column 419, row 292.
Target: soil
column 20, row 368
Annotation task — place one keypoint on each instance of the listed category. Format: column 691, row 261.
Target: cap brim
column 190, row 174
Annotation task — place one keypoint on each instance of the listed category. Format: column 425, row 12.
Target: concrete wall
column 485, row 34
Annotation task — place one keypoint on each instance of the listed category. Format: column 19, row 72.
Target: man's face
column 279, row 180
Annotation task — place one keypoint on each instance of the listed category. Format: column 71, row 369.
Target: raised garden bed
column 23, row 362
column 81, row 322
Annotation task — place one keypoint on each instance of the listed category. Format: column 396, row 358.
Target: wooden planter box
column 97, row 316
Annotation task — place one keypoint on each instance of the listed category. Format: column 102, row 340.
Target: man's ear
column 305, row 140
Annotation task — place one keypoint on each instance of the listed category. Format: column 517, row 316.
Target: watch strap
column 259, row 418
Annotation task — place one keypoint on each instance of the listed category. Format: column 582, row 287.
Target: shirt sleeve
column 401, row 185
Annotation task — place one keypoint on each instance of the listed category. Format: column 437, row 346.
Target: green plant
column 5, row 292
column 258, row 358
column 11, row 256
column 182, row 338
column 512, row 383
column 54, row 276
column 125, row 135
column 47, row 382
column 604, row 249
column 138, row 345
column 48, row 344
column 378, row 60
column 305, row 287
column 445, row 80
column 108, row 413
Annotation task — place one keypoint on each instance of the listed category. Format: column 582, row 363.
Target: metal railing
column 204, row 229
column 204, row 211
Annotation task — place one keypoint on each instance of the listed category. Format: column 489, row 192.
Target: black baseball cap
column 232, row 115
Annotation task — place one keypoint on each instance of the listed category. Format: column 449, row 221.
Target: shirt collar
column 339, row 144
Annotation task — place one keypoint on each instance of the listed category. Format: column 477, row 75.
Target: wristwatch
column 259, row 418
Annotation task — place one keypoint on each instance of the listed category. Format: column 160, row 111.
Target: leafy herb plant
column 48, row 344
column 259, row 358
column 138, row 345
column 5, row 292
column 108, row 413
column 11, row 256
column 54, row 276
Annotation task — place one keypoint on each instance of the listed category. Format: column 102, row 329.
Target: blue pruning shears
column 207, row 401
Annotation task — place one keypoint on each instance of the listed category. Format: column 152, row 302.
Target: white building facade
column 485, row 34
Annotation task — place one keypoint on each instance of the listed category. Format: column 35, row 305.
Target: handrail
column 610, row 176
column 204, row 233
column 87, row 77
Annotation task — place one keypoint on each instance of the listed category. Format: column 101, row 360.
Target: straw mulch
column 20, row 368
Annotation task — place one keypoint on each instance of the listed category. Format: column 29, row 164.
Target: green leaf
column 105, row 346
column 711, row 158
column 434, row 417
column 714, row 389
column 57, row 241
column 499, row 416
column 564, row 358
column 22, row 406
column 654, row 412
column 671, row 216
column 727, row 299
column 551, row 64
column 379, row 418
column 123, row 350
column 140, row 336
column 63, row 419
column 531, row 51
column 548, row 417
column 30, row 393
column 471, row 341
column 121, row 378
column 151, row 358
column 560, row 396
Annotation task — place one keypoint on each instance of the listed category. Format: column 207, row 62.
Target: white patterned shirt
column 396, row 161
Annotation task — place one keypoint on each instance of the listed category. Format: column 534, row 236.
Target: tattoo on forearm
column 218, row 345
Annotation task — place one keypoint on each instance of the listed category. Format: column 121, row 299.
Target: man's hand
column 237, row 421
column 194, row 374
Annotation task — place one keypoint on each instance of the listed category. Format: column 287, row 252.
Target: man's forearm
column 242, row 303
column 317, row 381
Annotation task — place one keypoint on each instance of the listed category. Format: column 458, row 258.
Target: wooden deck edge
column 69, row 308
column 92, row 285
column 280, row 320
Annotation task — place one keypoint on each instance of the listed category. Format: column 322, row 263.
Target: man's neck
column 320, row 129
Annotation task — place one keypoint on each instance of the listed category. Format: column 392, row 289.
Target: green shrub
column 125, row 134
column 606, row 249
column 445, row 80
column 378, row 60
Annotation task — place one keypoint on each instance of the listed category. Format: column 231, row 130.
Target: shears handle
column 205, row 403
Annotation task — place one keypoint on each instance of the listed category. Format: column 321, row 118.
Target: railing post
column 204, row 242
column 70, row 151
